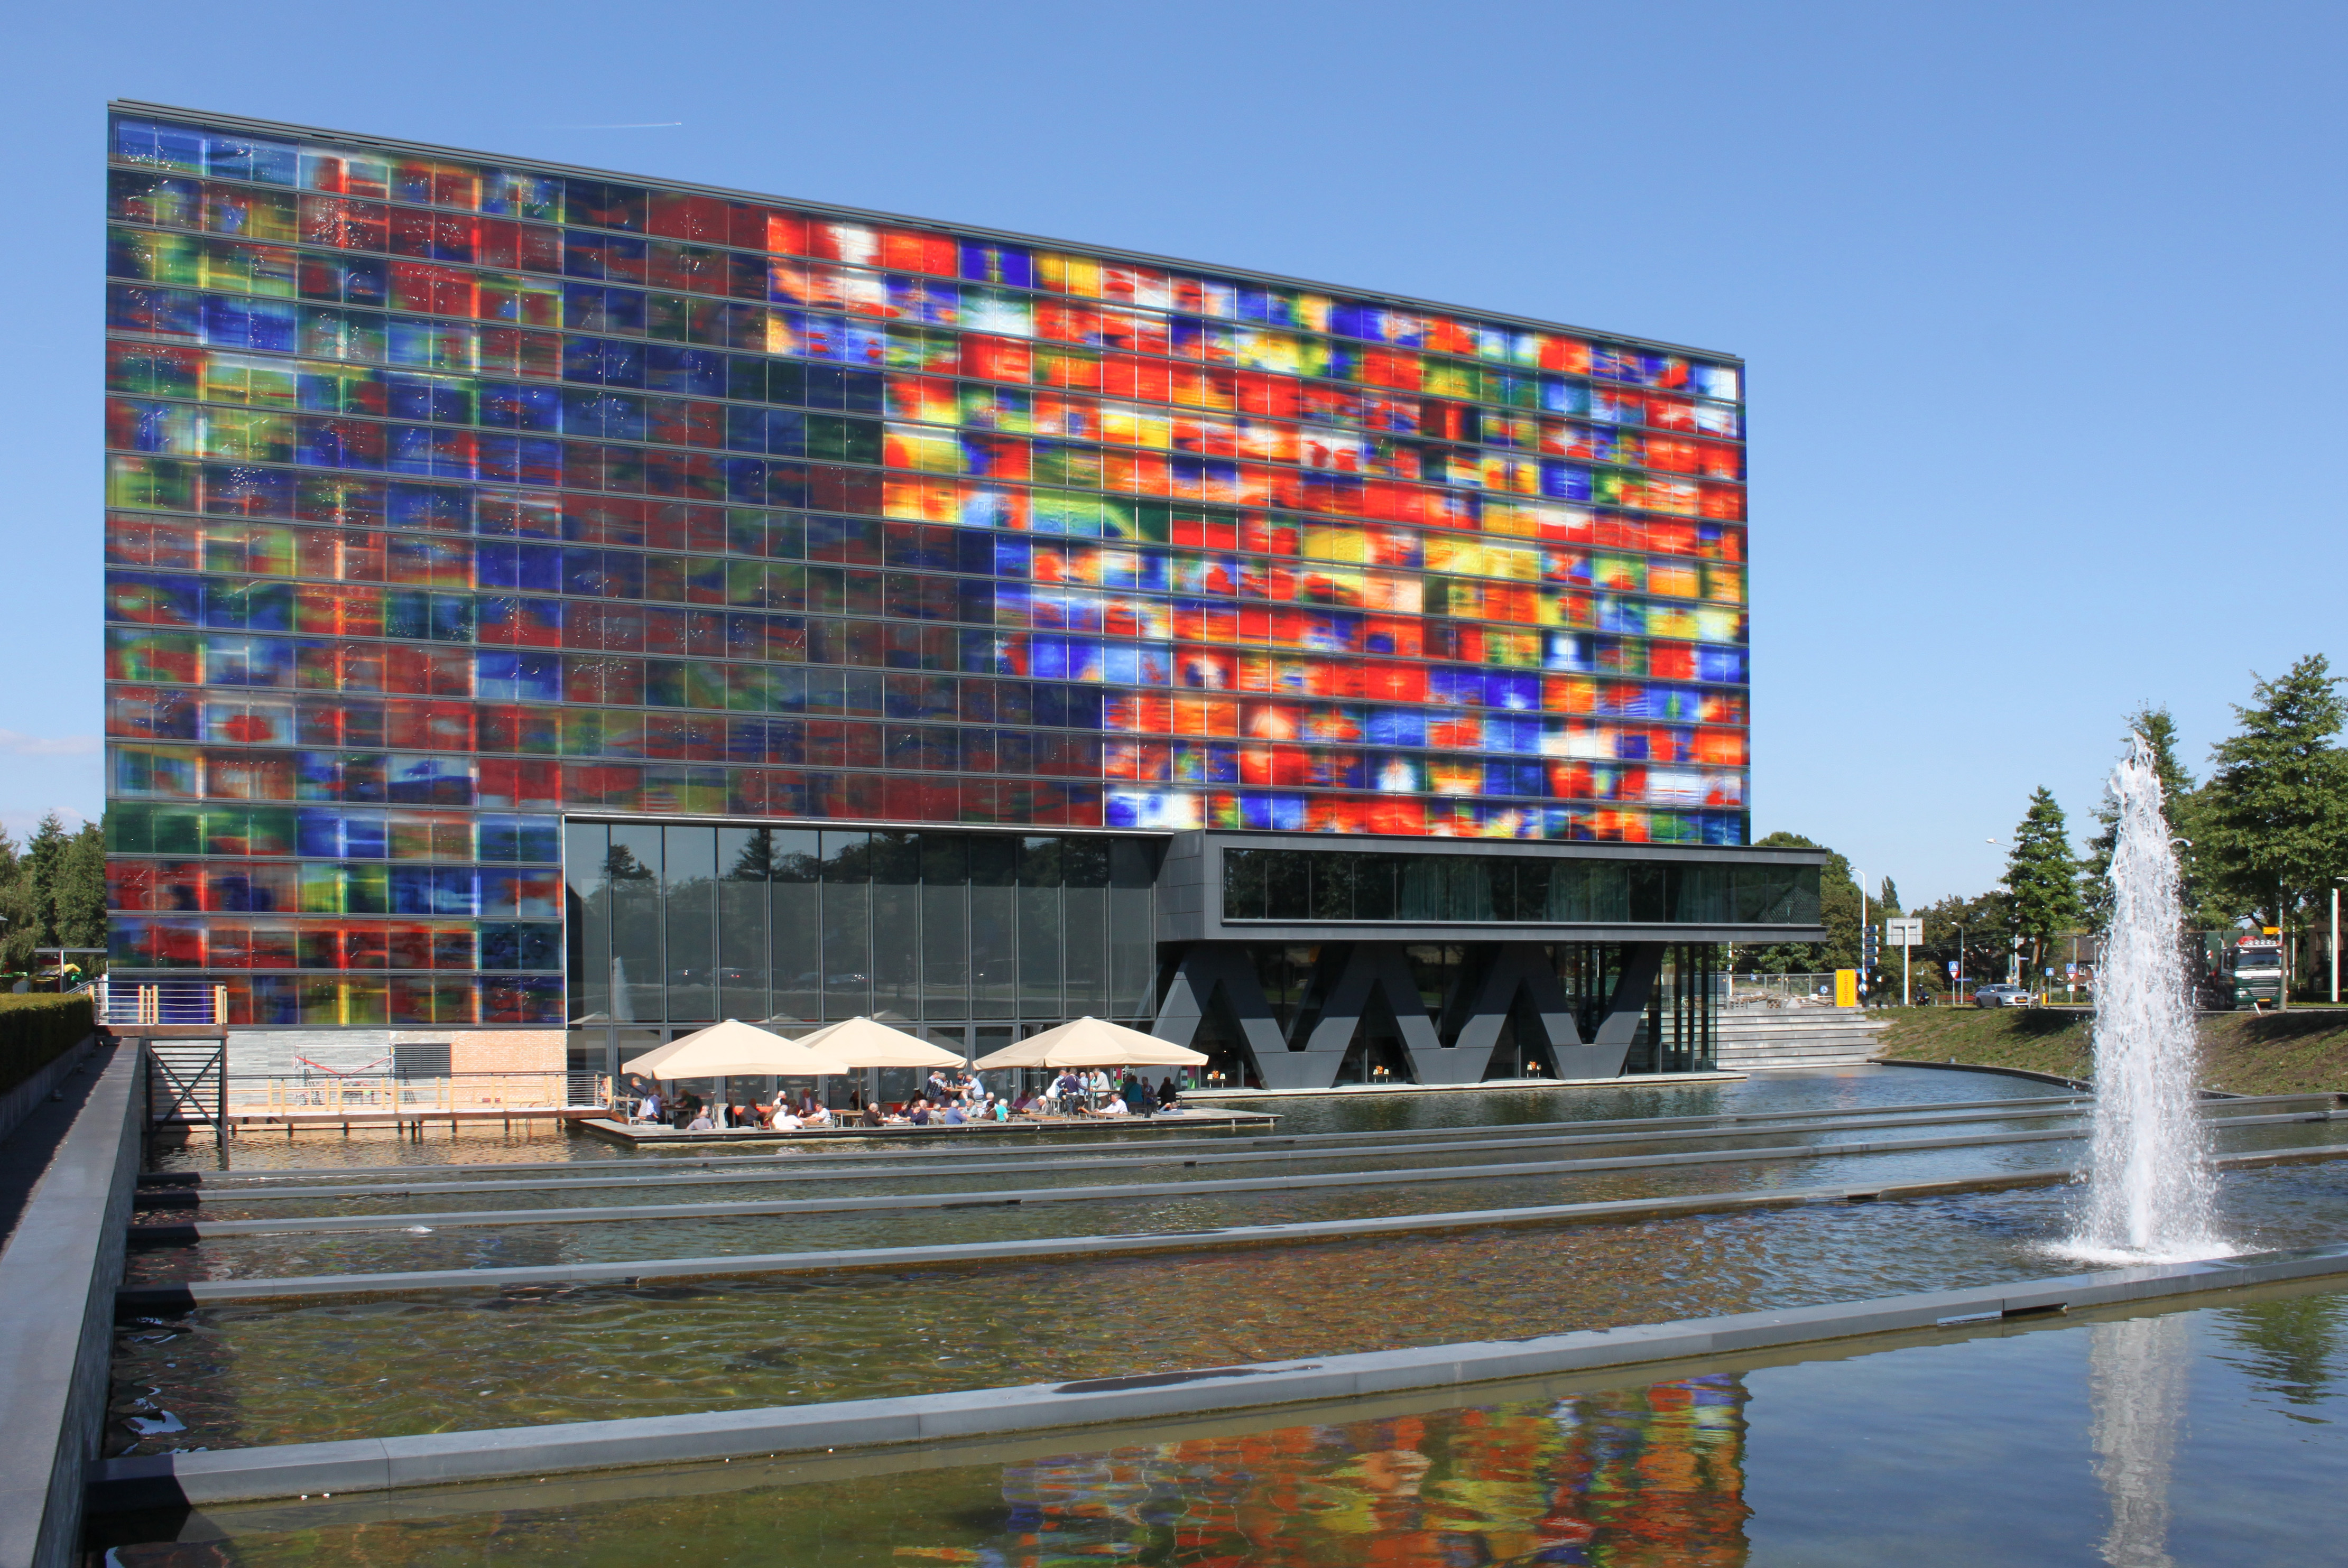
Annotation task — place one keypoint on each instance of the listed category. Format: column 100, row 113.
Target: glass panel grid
column 491, row 491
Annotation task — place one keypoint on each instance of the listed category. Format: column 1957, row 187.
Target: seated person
column 784, row 1121
column 1115, row 1107
column 817, row 1114
column 1167, row 1093
column 918, row 1114
column 1144, row 1103
column 701, row 1121
column 954, row 1116
column 871, row 1116
column 648, row 1108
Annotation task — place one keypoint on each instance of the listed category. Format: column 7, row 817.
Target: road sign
column 1906, row 932
column 1953, row 969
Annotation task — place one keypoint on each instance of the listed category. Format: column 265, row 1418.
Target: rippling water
column 2016, row 1447
column 294, row 1371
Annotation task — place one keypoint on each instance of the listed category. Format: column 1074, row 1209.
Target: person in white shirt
column 701, row 1121
column 818, row 1115
column 784, row 1122
column 648, row 1108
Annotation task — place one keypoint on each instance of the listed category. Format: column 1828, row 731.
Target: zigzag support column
column 1373, row 972
column 1641, row 964
column 1209, row 967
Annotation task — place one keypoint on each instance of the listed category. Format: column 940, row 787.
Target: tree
column 17, row 907
column 2041, row 876
column 1980, row 923
column 2205, row 908
column 52, row 892
column 80, row 894
column 2275, row 823
column 44, row 856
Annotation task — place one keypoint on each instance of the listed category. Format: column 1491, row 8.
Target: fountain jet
column 2150, row 1194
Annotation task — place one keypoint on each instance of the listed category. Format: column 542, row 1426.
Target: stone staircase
column 1753, row 1037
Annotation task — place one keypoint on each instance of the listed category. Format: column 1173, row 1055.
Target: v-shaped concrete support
column 1375, row 974
column 1642, row 962
column 1522, row 967
column 1207, row 969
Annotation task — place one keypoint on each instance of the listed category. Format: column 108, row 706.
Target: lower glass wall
column 672, row 924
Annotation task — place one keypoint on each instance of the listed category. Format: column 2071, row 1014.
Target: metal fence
column 1754, row 990
column 327, row 1096
column 160, row 1002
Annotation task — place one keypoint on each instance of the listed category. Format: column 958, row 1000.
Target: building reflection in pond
column 1649, row 1475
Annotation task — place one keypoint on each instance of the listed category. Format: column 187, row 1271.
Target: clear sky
column 2041, row 304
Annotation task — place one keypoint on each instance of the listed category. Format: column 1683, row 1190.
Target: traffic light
column 1868, row 948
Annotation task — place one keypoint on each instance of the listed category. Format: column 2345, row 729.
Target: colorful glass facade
column 446, row 497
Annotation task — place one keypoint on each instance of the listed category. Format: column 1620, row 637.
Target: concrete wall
column 57, row 1279
column 497, row 1050
column 20, row 1101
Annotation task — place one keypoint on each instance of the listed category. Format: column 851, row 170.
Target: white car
column 2001, row 997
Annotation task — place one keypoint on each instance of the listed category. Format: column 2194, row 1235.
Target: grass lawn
column 2290, row 1052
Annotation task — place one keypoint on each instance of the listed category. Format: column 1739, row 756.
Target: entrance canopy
column 735, row 1050
column 1094, row 1043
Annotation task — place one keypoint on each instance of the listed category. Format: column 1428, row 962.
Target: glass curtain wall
column 1341, row 884
column 687, row 924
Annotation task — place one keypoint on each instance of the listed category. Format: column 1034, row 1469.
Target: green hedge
column 37, row 1029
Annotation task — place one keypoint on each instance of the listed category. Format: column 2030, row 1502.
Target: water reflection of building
column 1637, row 1476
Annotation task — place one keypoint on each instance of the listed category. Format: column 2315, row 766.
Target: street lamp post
column 2335, row 942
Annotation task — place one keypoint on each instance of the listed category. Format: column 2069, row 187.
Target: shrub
column 37, row 1029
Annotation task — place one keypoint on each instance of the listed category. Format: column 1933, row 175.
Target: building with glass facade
column 541, row 598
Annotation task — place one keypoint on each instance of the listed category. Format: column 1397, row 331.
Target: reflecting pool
column 2208, row 1436
column 302, row 1370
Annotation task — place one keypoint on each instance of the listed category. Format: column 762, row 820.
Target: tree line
column 52, row 893
column 2262, row 840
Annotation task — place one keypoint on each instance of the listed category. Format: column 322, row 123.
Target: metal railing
column 328, row 1096
column 1754, row 990
column 131, row 1003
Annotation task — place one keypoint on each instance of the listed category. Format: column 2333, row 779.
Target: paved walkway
column 25, row 1153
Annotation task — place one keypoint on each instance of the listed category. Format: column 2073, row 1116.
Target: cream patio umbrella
column 1094, row 1043
column 735, row 1050
column 868, row 1042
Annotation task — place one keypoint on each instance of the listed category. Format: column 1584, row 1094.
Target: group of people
column 691, row 1114
column 1074, row 1092
column 949, row 1099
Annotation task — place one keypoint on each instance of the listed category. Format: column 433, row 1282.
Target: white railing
column 131, row 1003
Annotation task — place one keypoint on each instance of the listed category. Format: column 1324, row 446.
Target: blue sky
column 2041, row 304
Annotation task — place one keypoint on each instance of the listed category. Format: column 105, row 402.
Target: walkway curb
column 186, row 1295
column 376, row 1464
column 57, row 1279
